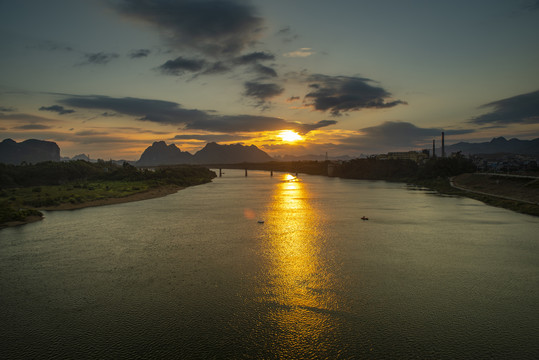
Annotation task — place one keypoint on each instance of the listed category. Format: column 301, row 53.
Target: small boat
column 260, row 221
column 364, row 218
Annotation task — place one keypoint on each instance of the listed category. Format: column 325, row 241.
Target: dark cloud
column 286, row 34
column 212, row 27
column 253, row 58
column 180, row 65
column 211, row 137
column 262, row 91
column 90, row 133
column 159, row 111
column 293, row 98
column 99, row 58
column 393, row 135
column 6, row 109
column 57, row 108
column 305, row 128
column 48, row 45
column 339, row 94
column 218, row 67
column 167, row 112
column 523, row 109
column 26, row 117
column 32, row 127
column 140, row 53
column 264, row 71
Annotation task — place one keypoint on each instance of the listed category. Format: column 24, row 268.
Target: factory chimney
column 443, row 145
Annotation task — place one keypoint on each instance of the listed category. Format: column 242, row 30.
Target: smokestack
column 443, row 145
column 433, row 148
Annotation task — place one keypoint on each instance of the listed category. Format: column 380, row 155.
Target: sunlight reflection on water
column 298, row 279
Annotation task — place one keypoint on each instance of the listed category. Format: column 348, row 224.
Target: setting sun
column 290, row 136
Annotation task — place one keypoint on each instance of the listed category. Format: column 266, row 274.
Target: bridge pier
column 220, row 173
column 271, row 173
column 245, row 172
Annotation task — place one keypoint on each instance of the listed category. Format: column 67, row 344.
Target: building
column 417, row 156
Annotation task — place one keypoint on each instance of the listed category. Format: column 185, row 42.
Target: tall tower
column 433, row 148
column 443, row 145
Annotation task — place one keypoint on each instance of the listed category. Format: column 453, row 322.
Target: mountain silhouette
column 30, row 151
column 159, row 153
column 497, row 145
column 214, row 153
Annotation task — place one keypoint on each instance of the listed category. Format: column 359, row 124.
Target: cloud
column 32, row 127
column 214, row 28
column 26, row 117
column 218, row 67
column 211, row 137
column 159, row 111
column 90, row 133
column 339, row 94
column 6, row 108
column 264, row 71
column 99, row 58
column 57, row 108
column 140, row 53
column 262, row 91
column 180, row 65
column 171, row 113
column 286, row 34
column 392, row 135
column 303, row 52
column 253, row 58
column 520, row 109
column 48, row 45
column 305, row 128
column 293, row 98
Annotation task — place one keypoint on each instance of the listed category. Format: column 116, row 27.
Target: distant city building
column 417, row 156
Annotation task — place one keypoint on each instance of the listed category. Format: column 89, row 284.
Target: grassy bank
column 26, row 189
column 476, row 182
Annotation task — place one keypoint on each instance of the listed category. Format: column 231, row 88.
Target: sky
column 344, row 77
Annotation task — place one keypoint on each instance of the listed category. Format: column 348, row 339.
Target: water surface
column 194, row 275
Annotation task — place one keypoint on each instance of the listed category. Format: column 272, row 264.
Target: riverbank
column 518, row 194
column 151, row 193
column 143, row 195
column 24, row 190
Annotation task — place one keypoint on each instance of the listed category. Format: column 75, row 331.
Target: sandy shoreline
column 144, row 195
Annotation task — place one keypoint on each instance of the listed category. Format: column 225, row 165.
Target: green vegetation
column 23, row 188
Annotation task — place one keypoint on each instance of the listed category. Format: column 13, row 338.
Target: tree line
column 58, row 173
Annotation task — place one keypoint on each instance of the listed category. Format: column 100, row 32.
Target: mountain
column 496, row 145
column 161, row 154
column 214, row 153
column 30, row 151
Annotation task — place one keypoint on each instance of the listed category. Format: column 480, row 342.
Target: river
column 194, row 275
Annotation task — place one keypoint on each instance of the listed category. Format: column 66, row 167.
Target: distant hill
column 30, row 151
column 496, row 145
column 214, row 153
column 159, row 153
